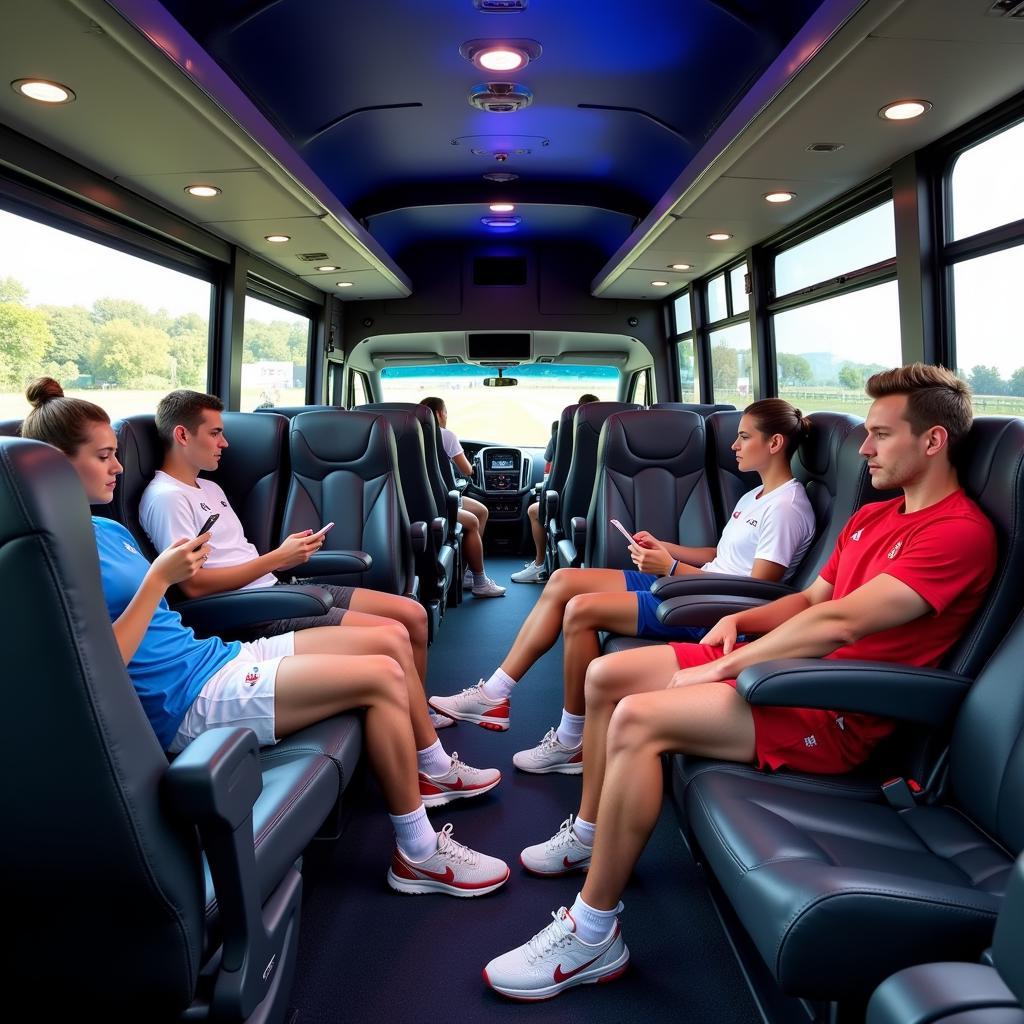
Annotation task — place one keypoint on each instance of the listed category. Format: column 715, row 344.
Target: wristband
column 672, row 568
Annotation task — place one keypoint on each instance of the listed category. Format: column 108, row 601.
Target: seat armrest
column 336, row 563
column 702, row 611
column 579, row 533
column 452, row 512
column 418, row 536
column 236, row 609
column 666, row 587
column 214, row 784
column 928, row 696
column 549, row 507
column 438, row 529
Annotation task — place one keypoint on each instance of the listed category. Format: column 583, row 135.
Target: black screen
column 498, row 346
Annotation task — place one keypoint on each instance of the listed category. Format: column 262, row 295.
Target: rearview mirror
column 500, row 382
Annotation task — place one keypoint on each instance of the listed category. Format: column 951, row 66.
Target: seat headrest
column 141, row 453
column 819, row 451
column 10, row 428
column 669, row 440
column 704, row 409
column 290, row 411
column 325, row 441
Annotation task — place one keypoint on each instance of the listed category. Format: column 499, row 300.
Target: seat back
column 574, row 497
column 562, row 458
column 1009, row 938
column 651, row 476
column 727, row 482
column 291, row 411
column 704, row 409
column 10, row 428
column 141, row 453
column 102, row 887
column 344, row 468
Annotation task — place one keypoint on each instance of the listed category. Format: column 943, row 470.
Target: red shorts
column 804, row 739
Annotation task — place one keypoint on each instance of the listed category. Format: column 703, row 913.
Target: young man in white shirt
column 178, row 501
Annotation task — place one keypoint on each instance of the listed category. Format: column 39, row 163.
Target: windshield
column 520, row 415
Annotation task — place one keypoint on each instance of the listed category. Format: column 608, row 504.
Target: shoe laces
column 547, row 745
column 453, row 851
column 458, row 765
column 476, row 690
column 565, row 836
column 552, row 937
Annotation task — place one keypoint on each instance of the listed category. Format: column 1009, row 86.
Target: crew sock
column 593, row 926
column 499, row 686
column 433, row 760
column 414, row 834
column 570, row 729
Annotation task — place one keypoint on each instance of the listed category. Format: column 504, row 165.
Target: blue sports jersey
column 171, row 665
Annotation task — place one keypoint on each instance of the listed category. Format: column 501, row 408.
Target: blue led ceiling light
column 501, row 222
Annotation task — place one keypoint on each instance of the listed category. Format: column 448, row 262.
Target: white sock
column 570, row 729
column 593, row 926
column 414, row 834
column 433, row 760
column 479, row 579
column 499, row 686
column 584, row 831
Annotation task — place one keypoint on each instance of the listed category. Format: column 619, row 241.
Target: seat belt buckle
column 902, row 793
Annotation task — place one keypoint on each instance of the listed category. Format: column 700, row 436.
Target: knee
column 579, row 614
column 559, row 585
column 396, row 643
column 533, row 511
column 599, row 686
column 389, row 681
column 415, row 619
column 630, row 726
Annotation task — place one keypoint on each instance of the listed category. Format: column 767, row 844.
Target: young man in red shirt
column 903, row 582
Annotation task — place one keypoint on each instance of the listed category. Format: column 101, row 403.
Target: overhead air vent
column 1007, row 9
column 825, row 147
column 500, row 97
column 453, row 359
column 500, row 6
column 312, row 257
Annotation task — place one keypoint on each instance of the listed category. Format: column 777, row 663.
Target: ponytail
column 777, row 416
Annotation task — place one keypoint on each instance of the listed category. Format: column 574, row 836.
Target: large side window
column 984, row 254
column 274, row 351
column 732, row 377
column 682, row 321
column 114, row 328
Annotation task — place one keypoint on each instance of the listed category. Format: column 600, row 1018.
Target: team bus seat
column 704, row 409
column 10, row 428
column 651, row 475
column 961, row 993
column 142, row 890
column 291, row 411
column 728, row 482
column 554, row 485
column 344, row 469
column 574, row 501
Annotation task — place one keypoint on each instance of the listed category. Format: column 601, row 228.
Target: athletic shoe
column 467, row 580
column 452, row 868
column 473, row 705
column 440, row 721
column 533, row 573
column 488, row 589
column 562, row 853
column 556, row 959
column 550, row 755
column 460, row 782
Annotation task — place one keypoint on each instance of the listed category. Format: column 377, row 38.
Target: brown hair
column 435, row 405
column 587, row 399
column 183, row 408
column 58, row 420
column 936, row 397
column 777, row 416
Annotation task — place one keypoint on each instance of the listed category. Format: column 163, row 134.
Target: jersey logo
column 128, row 547
column 895, row 549
column 810, row 741
column 751, row 522
column 736, row 515
column 856, row 536
column 253, row 677
column 223, row 504
column 204, row 506
column 841, row 722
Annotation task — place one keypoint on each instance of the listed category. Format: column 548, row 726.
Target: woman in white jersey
column 768, row 533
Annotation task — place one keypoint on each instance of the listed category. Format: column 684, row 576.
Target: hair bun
column 43, row 390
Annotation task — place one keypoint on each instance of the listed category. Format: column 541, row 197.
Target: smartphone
column 323, row 530
column 625, row 533
column 209, row 522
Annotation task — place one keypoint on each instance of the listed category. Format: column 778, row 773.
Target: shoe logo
column 448, row 877
column 561, row 975
column 573, row 863
column 895, row 549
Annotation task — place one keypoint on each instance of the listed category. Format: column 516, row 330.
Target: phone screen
column 323, row 530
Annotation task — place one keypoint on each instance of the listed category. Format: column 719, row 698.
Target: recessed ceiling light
column 779, row 197
column 327, row 270
column 344, row 284
column 509, row 55
column 680, row 266
column 43, row 91
column 719, row 236
column 502, row 207
column 904, row 110
column 502, row 177
column 501, row 222
column 659, row 284
column 203, row 191
column 501, row 59
column 278, row 238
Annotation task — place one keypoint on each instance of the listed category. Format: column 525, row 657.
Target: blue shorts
column 648, row 625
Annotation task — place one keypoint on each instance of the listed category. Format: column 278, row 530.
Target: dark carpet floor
column 368, row 954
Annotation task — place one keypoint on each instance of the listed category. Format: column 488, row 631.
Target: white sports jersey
column 170, row 510
column 450, row 443
column 777, row 527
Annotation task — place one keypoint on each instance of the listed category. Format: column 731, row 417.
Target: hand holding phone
column 209, row 522
column 322, row 531
column 625, row 533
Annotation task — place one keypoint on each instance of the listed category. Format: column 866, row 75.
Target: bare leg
column 478, row 509
column 542, row 626
column 709, row 719
column 311, row 687
column 472, row 544
column 411, row 614
column 585, row 616
column 390, row 640
column 533, row 511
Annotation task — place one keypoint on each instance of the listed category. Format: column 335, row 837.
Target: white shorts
column 240, row 692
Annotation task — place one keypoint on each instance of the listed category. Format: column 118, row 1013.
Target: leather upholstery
column 650, row 476
column 704, row 409
column 10, row 428
column 728, row 483
column 345, row 469
column 141, row 454
column 291, row 411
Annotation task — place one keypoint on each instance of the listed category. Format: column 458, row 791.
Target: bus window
column 731, row 365
column 110, row 327
column 984, row 189
column 718, row 307
column 738, row 289
column 683, row 322
column 274, row 352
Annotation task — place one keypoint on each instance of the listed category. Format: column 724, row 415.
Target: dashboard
column 504, row 477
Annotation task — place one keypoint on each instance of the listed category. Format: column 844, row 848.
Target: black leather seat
column 650, row 476
column 345, row 470
column 704, row 409
column 291, row 411
column 104, row 887
column 961, row 993
column 555, row 484
column 838, row 892
column 10, row 428
column 728, row 483
column 574, row 499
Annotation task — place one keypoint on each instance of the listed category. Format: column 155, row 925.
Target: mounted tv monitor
column 498, row 346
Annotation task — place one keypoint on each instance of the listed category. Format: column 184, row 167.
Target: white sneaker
column 550, row 755
column 467, row 580
column 562, row 853
column 489, row 589
column 533, row 573
column 439, row 721
column 556, row 959
column 460, row 782
column 473, row 705
column 452, row 868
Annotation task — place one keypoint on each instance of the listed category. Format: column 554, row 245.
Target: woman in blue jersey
column 275, row 685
